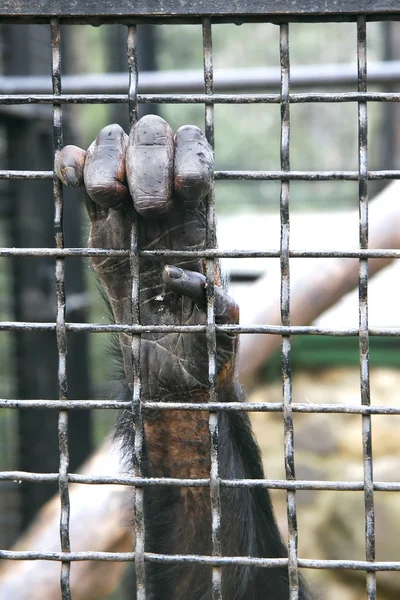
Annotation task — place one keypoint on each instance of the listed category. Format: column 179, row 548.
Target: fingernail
column 174, row 272
column 71, row 177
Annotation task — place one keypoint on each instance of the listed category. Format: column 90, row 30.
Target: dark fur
column 248, row 523
column 248, row 526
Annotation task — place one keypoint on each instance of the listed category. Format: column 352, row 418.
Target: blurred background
column 323, row 216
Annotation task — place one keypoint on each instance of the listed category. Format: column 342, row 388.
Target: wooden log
column 97, row 524
column 317, row 285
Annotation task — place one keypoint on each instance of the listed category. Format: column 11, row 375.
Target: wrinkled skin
column 162, row 180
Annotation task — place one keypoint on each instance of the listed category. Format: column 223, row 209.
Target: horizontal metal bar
column 330, row 97
column 354, row 565
column 60, row 404
column 360, row 253
column 303, row 175
column 261, row 79
column 186, row 8
column 18, row 174
column 243, row 175
column 275, row 484
column 358, row 409
column 57, row 252
column 99, row 327
column 299, row 407
column 130, row 556
column 167, row 253
column 265, row 329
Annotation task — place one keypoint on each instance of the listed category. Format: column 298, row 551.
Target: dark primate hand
column 165, row 179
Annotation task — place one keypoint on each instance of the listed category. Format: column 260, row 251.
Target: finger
column 149, row 165
column 69, row 163
column 104, row 172
column 193, row 165
column 193, row 285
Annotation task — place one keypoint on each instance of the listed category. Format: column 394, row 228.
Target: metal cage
column 205, row 15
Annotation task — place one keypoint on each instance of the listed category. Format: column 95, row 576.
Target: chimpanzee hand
column 165, row 179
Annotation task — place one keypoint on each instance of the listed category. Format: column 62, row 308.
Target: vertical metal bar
column 210, row 326
column 285, row 311
column 136, row 394
column 60, row 321
column 363, row 305
column 133, row 75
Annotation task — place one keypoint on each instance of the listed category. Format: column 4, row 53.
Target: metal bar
column 54, row 252
column 353, row 565
column 268, row 9
column 206, row 406
column 285, row 313
column 210, row 326
column 299, row 98
column 363, row 306
column 265, row 329
column 60, row 323
column 156, row 19
column 275, row 484
column 243, row 175
column 302, row 175
column 136, row 401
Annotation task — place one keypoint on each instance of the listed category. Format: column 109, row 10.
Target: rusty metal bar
column 353, row 565
column 217, row 253
column 285, row 313
column 299, row 98
column 265, row 329
column 244, row 175
column 363, row 306
column 206, row 406
column 136, row 341
column 210, row 326
column 276, row 484
column 61, row 333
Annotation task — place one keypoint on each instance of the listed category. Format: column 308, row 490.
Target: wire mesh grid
column 214, row 482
